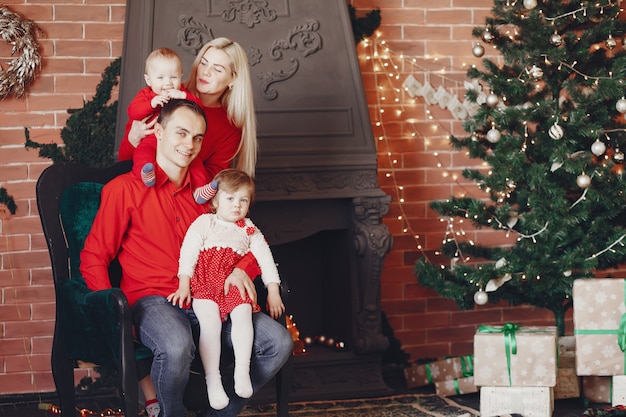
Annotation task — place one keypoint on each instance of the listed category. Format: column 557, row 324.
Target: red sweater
column 144, row 227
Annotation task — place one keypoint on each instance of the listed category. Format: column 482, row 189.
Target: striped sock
column 153, row 409
column 147, row 175
column 206, row 192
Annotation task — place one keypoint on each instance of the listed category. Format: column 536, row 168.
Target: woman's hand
column 141, row 129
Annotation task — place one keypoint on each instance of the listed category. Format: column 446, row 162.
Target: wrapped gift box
column 567, row 384
column 619, row 390
column 532, row 365
column 597, row 389
column 605, row 389
column 598, row 308
column 566, row 344
column 455, row 386
column 442, row 370
column 527, row 401
column 567, row 360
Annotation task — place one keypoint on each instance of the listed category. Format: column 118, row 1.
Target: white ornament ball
column 492, row 100
column 556, row 131
column 481, row 298
column 530, row 4
column 493, row 135
column 620, row 105
column 618, row 156
column 478, row 51
column 598, row 147
column 536, row 72
column 583, row 181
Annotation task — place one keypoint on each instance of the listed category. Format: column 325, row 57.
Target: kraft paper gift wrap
column 599, row 323
column 597, row 389
column 518, row 356
column 567, row 384
column 455, row 386
column 445, row 369
column 527, row 401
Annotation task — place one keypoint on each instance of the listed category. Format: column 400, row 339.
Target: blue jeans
column 167, row 331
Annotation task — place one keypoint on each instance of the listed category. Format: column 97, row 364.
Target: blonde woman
column 220, row 78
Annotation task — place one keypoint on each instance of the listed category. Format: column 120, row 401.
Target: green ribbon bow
column 467, row 365
column 510, row 344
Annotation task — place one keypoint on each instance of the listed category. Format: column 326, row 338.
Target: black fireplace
column 318, row 199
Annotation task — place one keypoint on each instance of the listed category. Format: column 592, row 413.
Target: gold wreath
column 20, row 33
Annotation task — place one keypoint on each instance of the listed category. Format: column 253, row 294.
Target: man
column 144, row 227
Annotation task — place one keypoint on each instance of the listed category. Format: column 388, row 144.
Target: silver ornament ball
column 556, row 39
column 493, row 135
column 530, row 4
column 481, row 297
column 620, row 105
column 583, row 181
column 487, row 36
column 618, row 156
column 556, row 131
column 478, row 51
column 611, row 42
column 598, row 147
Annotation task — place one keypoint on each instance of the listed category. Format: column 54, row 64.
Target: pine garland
column 363, row 27
column 89, row 134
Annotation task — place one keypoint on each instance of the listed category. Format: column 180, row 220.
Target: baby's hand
column 275, row 304
column 159, row 101
column 173, row 93
column 182, row 298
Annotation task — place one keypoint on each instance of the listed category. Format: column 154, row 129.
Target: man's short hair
column 176, row 103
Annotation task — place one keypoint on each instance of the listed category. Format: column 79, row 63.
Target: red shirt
column 144, row 227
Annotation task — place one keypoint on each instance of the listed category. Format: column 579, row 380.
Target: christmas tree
column 548, row 121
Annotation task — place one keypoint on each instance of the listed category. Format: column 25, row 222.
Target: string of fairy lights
column 394, row 102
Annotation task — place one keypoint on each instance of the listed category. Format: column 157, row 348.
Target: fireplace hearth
column 318, row 199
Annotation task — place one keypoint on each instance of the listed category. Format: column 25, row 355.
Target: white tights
column 210, row 345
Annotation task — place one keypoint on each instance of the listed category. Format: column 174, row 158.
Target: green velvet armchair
column 96, row 327
column 93, row 327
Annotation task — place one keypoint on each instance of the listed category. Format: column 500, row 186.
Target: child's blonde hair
column 165, row 53
column 230, row 180
column 238, row 100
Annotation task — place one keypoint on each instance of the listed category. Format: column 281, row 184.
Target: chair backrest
column 82, row 199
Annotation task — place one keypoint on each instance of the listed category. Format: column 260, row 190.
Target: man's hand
column 239, row 279
column 141, row 129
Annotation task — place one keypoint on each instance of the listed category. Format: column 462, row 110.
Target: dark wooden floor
column 37, row 405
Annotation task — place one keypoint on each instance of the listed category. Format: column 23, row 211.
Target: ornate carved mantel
column 317, row 168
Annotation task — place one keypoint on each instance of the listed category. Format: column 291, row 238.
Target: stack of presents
column 523, row 369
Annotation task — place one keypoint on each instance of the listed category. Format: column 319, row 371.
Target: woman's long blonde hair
column 238, row 100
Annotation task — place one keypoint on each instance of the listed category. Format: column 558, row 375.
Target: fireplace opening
column 317, row 272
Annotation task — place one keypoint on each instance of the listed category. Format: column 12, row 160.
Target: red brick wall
column 81, row 37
